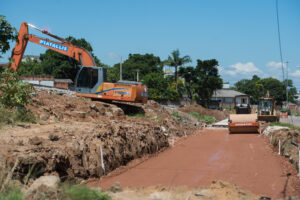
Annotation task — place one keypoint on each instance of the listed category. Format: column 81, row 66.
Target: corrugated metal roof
column 63, row 80
column 227, row 93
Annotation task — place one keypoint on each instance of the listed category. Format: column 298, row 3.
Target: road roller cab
column 242, row 121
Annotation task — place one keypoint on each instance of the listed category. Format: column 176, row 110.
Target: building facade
column 228, row 98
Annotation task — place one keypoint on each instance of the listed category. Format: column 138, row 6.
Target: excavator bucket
column 243, row 123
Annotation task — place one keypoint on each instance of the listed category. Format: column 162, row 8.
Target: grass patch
column 297, row 114
column 158, row 119
column 207, row 119
column 138, row 115
column 11, row 116
column 291, row 126
column 8, row 188
column 176, row 115
column 11, row 194
column 79, row 192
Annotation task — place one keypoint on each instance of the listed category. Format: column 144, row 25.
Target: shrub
column 14, row 115
column 14, row 92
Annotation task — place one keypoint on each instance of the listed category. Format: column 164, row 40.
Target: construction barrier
column 280, row 115
column 286, row 115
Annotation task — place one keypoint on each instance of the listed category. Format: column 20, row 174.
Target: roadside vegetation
column 79, row 192
column 177, row 116
column 207, row 119
column 13, row 190
column 291, row 126
column 138, row 115
column 15, row 94
column 257, row 87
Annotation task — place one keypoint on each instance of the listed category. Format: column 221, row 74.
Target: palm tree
column 175, row 60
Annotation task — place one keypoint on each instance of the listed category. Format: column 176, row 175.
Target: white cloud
column 112, row 55
column 274, row 65
column 295, row 74
column 242, row 69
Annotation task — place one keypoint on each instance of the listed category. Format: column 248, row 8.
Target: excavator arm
column 63, row 47
column 90, row 80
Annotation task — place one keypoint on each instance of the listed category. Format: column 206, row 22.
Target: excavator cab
column 88, row 79
column 91, row 82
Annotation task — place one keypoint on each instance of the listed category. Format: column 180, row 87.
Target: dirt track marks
column 243, row 159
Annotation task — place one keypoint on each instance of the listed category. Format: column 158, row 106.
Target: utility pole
column 137, row 75
column 287, row 77
column 120, row 68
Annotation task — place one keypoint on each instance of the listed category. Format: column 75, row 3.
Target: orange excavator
column 90, row 80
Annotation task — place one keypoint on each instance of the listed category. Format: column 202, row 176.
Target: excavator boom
column 63, row 47
column 90, row 79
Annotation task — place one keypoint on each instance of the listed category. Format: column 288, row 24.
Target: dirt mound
column 70, row 131
column 52, row 107
column 286, row 137
column 219, row 115
column 173, row 118
column 218, row 190
column 75, row 152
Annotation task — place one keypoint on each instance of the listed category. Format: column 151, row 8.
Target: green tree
column 292, row 90
column 145, row 64
column 252, row 87
column 191, row 78
column 175, row 61
column 7, row 34
column 202, row 81
column 30, row 67
column 257, row 88
column 159, row 88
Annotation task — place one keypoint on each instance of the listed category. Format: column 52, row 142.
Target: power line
column 279, row 40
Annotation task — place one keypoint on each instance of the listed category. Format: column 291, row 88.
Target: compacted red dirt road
column 243, row 159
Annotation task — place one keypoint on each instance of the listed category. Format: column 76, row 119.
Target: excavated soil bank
column 286, row 138
column 73, row 149
column 70, row 131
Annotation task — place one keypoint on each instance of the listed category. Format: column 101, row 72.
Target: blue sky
column 241, row 35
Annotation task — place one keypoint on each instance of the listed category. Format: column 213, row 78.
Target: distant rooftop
column 227, row 93
column 63, row 80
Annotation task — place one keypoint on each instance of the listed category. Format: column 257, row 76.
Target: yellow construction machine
column 266, row 110
column 243, row 121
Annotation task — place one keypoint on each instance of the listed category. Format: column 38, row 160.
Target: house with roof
column 227, row 97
